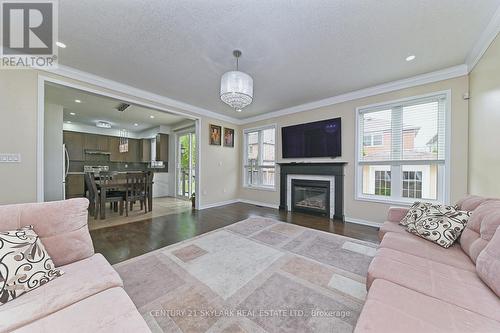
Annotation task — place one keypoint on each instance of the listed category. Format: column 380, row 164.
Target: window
column 402, row 150
column 260, row 157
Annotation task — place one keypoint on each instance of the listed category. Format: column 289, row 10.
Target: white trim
column 443, row 74
column 218, row 204
column 43, row 79
column 96, row 80
column 445, row 197
column 362, row 222
column 257, row 203
column 484, row 41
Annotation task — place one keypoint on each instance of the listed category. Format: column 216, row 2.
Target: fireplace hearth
column 311, row 196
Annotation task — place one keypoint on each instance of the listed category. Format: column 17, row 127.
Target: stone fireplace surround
column 290, row 171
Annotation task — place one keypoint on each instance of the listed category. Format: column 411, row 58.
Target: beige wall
column 18, row 133
column 18, row 103
column 370, row 211
column 484, row 126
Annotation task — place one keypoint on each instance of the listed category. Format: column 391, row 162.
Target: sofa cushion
column 25, row 264
column 440, row 224
column 390, row 227
column 82, row 279
column 464, row 289
column 61, row 225
column 393, row 308
column 488, row 263
column 481, row 227
column 108, row 311
column 471, row 202
column 408, row 243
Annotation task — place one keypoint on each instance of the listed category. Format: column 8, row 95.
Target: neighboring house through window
column 260, row 157
column 402, row 150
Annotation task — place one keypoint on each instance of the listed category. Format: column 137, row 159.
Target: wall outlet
column 10, row 158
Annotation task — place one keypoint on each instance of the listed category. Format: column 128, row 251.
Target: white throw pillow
column 24, row 263
column 440, row 224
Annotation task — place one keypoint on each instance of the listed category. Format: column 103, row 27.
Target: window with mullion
column 259, row 160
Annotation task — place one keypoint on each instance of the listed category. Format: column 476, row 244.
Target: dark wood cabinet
column 145, row 150
column 133, row 151
column 75, row 187
column 162, row 147
column 96, row 142
column 74, row 142
column 114, row 149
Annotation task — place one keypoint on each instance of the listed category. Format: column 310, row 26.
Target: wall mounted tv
column 317, row 139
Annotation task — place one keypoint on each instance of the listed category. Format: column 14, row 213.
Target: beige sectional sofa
column 89, row 297
column 417, row 286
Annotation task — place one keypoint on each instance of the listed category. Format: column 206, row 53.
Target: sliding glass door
column 186, row 164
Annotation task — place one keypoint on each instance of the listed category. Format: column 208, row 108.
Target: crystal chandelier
column 236, row 88
column 123, row 147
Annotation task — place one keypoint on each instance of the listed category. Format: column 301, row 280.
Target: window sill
column 391, row 201
column 260, row 188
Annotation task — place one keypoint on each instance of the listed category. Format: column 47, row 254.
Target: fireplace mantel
column 329, row 168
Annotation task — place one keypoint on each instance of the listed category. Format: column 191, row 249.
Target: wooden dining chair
column 136, row 191
column 93, row 194
column 114, row 196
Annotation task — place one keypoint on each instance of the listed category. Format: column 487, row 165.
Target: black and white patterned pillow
column 24, row 263
column 416, row 211
column 440, row 224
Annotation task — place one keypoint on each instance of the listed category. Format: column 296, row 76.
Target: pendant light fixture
column 236, row 88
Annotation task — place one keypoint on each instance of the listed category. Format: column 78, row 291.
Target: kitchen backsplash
column 77, row 166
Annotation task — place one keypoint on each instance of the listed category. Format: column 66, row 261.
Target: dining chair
column 93, row 194
column 114, row 196
column 136, row 191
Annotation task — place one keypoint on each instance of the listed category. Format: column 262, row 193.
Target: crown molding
column 444, row 74
column 75, row 74
column 484, row 41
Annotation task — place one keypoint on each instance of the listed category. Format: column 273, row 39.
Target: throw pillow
column 416, row 211
column 440, row 224
column 24, row 263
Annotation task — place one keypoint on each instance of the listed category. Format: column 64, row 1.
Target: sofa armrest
column 396, row 214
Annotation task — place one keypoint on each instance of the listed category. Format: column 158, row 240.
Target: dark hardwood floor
column 126, row 241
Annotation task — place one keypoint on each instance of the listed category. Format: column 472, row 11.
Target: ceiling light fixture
column 136, row 124
column 152, row 117
column 61, row 45
column 72, row 113
column 77, row 101
column 410, row 57
column 236, row 88
column 103, row 124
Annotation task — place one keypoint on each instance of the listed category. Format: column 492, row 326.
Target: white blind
column 409, row 131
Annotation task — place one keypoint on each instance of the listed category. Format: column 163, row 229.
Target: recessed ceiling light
column 152, row 117
column 72, row 113
column 136, row 124
column 77, row 101
column 410, row 57
column 61, row 45
column 68, row 122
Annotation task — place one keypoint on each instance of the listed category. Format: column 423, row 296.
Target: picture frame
column 228, row 138
column 215, row 135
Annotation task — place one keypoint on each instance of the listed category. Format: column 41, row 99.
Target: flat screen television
column 318, row 139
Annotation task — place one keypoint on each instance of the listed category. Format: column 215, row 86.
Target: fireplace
column 310, row 196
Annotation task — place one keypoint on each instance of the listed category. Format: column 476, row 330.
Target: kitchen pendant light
column 123, row 147
column 236, row 88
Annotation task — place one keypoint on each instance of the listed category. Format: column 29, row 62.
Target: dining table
column 120, row 184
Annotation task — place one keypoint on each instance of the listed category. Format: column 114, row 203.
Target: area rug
column 257, row 275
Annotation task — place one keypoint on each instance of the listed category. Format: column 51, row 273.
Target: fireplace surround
column 315, row 169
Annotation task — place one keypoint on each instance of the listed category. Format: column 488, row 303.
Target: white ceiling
column 296, row 51
column 94, row 108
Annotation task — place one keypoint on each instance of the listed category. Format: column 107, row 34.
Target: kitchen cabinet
column 133, row 151
column 145, row 150
column 96, row 142
column 75, row 187
column 162, row 147
column 114, row 149
column 74, row 142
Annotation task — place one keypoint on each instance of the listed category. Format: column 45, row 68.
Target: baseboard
column 218, row 204
column 362, row 222
column 257, row 203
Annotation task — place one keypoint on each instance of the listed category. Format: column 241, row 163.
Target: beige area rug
column 258, row 275
column 161, row 207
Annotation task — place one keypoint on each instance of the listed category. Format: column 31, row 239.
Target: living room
column 322, row 130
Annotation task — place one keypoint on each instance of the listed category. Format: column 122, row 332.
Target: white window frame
column 396, row 198
column 372, row 140
column 245, row 156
